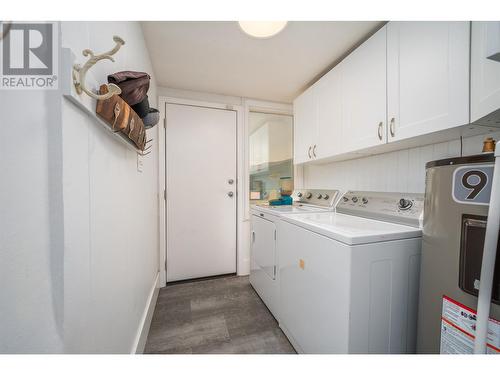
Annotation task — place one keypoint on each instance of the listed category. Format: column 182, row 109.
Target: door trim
column 241, row 181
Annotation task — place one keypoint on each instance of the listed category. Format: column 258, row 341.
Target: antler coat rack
column 79, row 71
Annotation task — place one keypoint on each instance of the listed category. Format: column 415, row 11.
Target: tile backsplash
column 400, row 171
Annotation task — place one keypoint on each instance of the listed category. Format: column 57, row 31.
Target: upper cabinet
column 427, row 77
column 329, row 115
column 305, row 125
column 485, row 71
column 409, row 84
column 364, row 95
column 317, row 119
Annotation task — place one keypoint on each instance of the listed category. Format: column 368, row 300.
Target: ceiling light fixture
column 262, row 29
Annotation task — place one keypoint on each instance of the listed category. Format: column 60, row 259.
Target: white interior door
column 201, row 191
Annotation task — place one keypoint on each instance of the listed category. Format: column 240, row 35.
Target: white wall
column 79, row 237
column 110, row 209
column 399, row 171
column 31, row 244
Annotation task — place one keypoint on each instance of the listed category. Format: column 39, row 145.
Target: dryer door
column 264, row 245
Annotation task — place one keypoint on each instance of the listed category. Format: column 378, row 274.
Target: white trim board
column 147, row 317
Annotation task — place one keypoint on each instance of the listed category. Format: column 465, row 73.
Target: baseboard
column 147, row 317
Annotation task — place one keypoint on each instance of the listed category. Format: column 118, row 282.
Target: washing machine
column 265, row 236
column 349, row 279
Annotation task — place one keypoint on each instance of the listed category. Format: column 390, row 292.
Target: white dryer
column 265, row 236
column 349, row 279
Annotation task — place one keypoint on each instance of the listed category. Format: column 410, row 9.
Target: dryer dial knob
column 354, row 199
column 319, row 196
column 326, row 197
column 345, row 199
column 299, row 194
column 405, row 204
column 309, row 195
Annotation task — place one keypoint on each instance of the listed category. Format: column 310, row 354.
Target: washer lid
column 290, row 209
column 352, row 230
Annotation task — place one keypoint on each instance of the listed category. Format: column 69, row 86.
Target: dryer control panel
column 316, row 197
column 399, row 208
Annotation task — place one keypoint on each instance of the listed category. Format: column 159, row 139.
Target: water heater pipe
column 488, row 262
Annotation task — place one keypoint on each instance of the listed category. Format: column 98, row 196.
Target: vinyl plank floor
column 214, row 316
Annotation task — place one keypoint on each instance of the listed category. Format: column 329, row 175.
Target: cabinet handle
column 253, row 236
column 379, row 131
column 309, row 152
column 314, row 150
column 392, row 127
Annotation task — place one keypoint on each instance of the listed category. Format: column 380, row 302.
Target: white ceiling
column 217, row 57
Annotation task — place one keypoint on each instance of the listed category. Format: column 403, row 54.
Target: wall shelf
column 88, row 104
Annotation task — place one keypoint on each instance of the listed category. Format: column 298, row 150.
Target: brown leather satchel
column 113, row 110
column 136, row 131
column 120, row 117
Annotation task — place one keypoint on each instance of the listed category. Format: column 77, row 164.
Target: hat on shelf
column 142, row 108
column 134, row 85
column 152, row 118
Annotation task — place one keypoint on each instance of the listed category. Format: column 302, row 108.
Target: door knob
column 230, row 194
column 230, row 181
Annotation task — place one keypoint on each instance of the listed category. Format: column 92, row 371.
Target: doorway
column 201, row 190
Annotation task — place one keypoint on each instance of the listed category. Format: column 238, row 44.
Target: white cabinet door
column 485, row 73
column 364, row 94
column 305, row 126
column 329, row 109
column 427, row 77
column 264, row 245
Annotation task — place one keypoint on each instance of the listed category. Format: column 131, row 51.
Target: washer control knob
column 309, row 195
column 345, row 199
column 319, row 196
column 405, row 204
column 326, row 197
column 299, row 194
column 354, row 199
column 364, row 200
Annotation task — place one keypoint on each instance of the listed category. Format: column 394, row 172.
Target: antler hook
column 79, row 71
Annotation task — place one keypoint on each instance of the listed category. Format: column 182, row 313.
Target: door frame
column 241, row 182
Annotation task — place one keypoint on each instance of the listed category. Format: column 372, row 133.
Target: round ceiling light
column 262, row 29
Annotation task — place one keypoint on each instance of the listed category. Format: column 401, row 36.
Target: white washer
column 349, row 280
column 265, row 236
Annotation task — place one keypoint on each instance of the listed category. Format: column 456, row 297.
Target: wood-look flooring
column 220, row 315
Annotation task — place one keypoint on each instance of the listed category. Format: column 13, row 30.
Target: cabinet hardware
column 230, row 194
column 314, row 150
column 309, row 152
column 253, row 236
column 392, row 127
column 380, row 126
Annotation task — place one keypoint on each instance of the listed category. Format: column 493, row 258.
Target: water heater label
column 458, row 327
column 472, row 184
